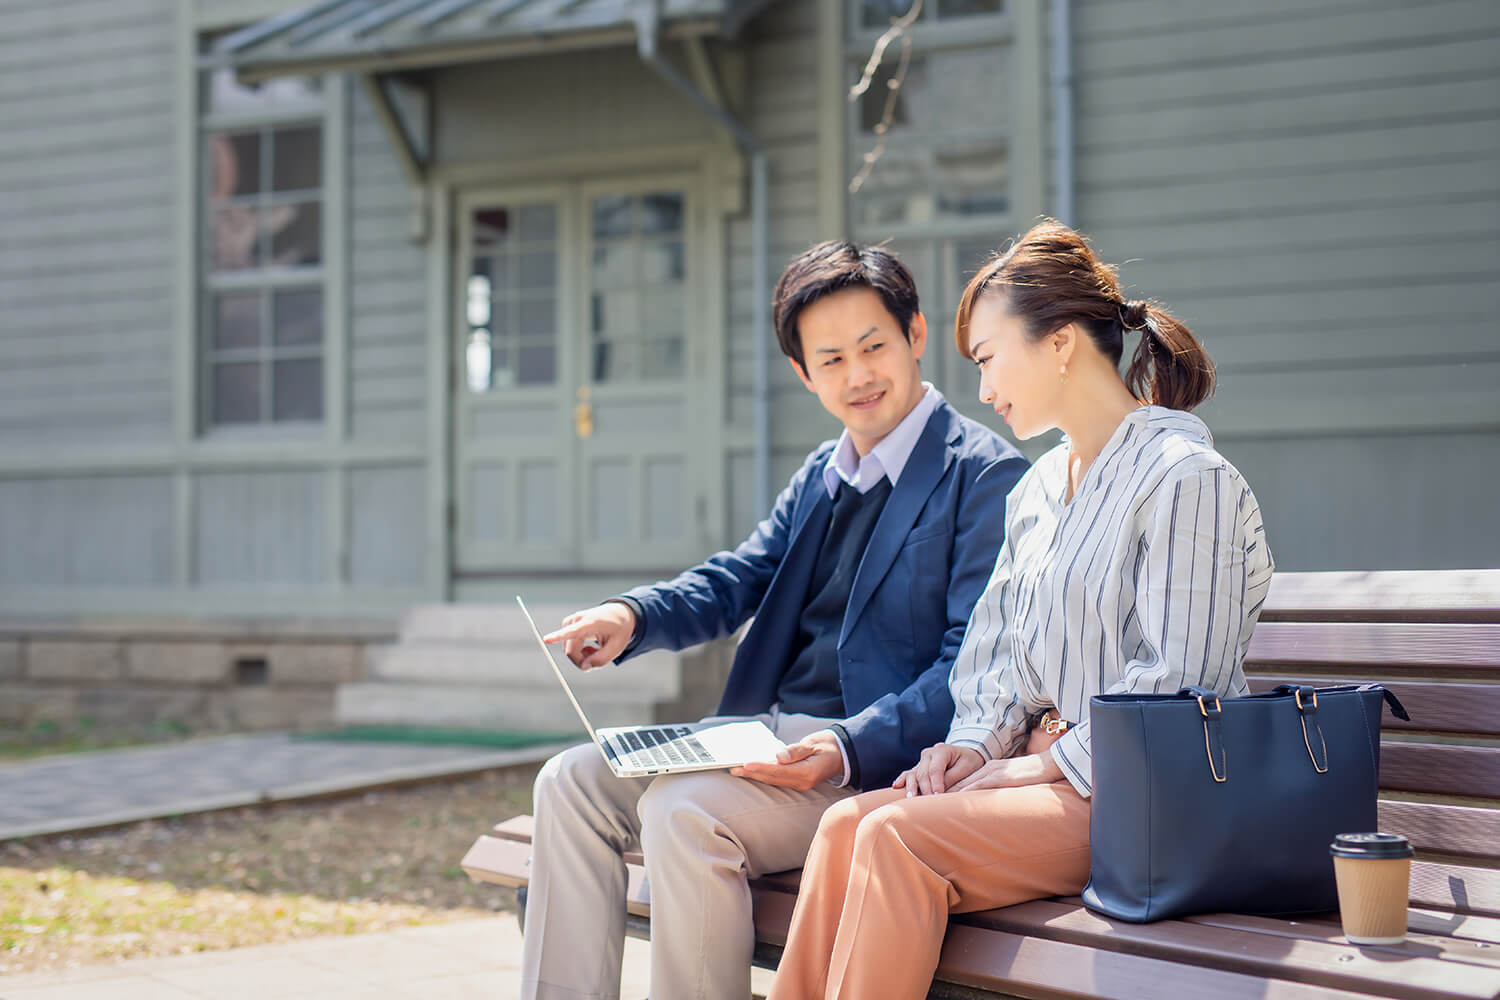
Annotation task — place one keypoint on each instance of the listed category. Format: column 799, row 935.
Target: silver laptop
column 639, row 751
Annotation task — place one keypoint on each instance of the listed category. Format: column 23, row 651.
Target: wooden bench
column 1434, row 638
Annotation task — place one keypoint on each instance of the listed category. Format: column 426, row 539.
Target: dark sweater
column 811, row 683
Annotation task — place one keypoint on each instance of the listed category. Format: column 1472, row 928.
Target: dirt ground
column 371, row 861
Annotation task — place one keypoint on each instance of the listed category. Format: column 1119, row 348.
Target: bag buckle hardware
column 1303, row 711
column 1210, row 730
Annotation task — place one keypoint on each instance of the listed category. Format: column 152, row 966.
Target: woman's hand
column 1013, row 772
column 939, row 768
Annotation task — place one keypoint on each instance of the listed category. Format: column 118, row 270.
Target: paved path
column 476, row 958
column 83, row 790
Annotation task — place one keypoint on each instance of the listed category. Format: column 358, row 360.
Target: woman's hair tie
column 1135, row 315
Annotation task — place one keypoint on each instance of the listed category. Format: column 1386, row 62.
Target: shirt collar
column 889, row 455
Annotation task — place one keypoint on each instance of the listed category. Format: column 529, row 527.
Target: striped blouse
column 1149, row 579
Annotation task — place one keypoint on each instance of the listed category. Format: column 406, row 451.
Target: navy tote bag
column 1209, row 805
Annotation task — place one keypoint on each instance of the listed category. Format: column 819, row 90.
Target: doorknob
column 583, row 414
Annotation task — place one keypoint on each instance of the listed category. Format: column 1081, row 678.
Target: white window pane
column 662, row 263
column 491, row 227
column 536, row 363
column 225, row 93
column 297, row 389
column 234, row 238
column 661, row 213
column 612, row 216
column 296, row 234
column 616, row 265
column 236, row 393
column 297, row 159
column 662, row 311
column 616, row 313
column 537, row 223
column 535, row 316
column 237, row 321
column 234, row 164
column 298, row 318
column 536, row 270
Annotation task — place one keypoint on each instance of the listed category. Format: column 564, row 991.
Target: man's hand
column 938, row 769
column 1013, row 772
column 801, row 765
column 596, row 636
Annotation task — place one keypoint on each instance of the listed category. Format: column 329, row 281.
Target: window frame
column 322, row 113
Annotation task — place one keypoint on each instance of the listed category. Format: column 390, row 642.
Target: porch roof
column 385, row 35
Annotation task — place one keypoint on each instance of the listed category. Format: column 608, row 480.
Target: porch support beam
column 412, row 152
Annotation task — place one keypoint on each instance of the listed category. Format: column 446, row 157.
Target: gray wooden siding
column 1315, row 189
column 559, row 105
column 387, row 511
column 260, row 529
column 783, row 113
column 86, row 197
column 388, row 293
column 64, row 531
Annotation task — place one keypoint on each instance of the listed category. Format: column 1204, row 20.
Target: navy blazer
column 926, row 563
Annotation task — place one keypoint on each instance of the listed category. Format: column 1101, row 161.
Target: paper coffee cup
column 1373, row 871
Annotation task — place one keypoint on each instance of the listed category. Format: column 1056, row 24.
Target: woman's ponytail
column 1050, row 278
column 1169, row 368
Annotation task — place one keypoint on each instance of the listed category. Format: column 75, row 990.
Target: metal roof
column 369, row 35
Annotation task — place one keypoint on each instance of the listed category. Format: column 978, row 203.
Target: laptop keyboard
column 664, row 746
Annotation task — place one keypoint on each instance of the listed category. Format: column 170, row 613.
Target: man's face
column 859, row 365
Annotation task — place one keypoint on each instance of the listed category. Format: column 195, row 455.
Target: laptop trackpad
column 733, row 743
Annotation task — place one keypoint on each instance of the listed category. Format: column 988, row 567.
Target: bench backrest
column 1434, row 639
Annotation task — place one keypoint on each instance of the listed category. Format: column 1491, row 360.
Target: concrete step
column 528, row 709
column 656, row 675
column 491, row 623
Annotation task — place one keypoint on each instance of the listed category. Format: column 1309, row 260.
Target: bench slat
column 1340, row 966
column 1430, row 646
column 1461, row 831
column 1020, row 964
column 1388, row 595
column 1029, row 966
column 1434, row 706
column 1440, row 769
column 1436, row 945
column 1451, row 887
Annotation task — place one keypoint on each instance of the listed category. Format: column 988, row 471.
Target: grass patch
column 367, row 862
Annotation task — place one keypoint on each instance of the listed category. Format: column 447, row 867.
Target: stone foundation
column 138, row 679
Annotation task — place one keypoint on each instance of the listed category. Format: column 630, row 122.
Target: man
column 860, row 581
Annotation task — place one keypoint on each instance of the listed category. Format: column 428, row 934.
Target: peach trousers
column 885, row 871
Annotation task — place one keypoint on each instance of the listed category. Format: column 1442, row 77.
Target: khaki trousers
column 885, row 871
column 704, row 835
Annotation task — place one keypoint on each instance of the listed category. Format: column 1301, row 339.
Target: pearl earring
column 1062, row 372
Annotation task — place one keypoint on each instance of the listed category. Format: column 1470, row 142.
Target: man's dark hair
column 831, row 267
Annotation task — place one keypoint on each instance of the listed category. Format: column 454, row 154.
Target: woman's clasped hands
column 948, row 768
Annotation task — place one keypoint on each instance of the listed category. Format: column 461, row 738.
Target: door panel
column 574, row 446
column 514, row 460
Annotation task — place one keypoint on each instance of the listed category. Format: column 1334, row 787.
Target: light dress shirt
column 889, row 455
column 886, row 459
column 1149, row 579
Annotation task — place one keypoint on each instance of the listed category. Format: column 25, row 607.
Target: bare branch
column 898, row 29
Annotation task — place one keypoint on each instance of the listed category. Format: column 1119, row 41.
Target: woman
column 1135, row 560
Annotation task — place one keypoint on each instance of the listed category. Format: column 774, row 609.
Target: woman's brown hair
column 1050, row 278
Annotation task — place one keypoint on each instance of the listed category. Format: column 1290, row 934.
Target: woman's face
column 1017, row 376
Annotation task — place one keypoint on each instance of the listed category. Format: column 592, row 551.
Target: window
column 261, row 257
column 936, row 176
column 511, row 296
column 637, row 314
